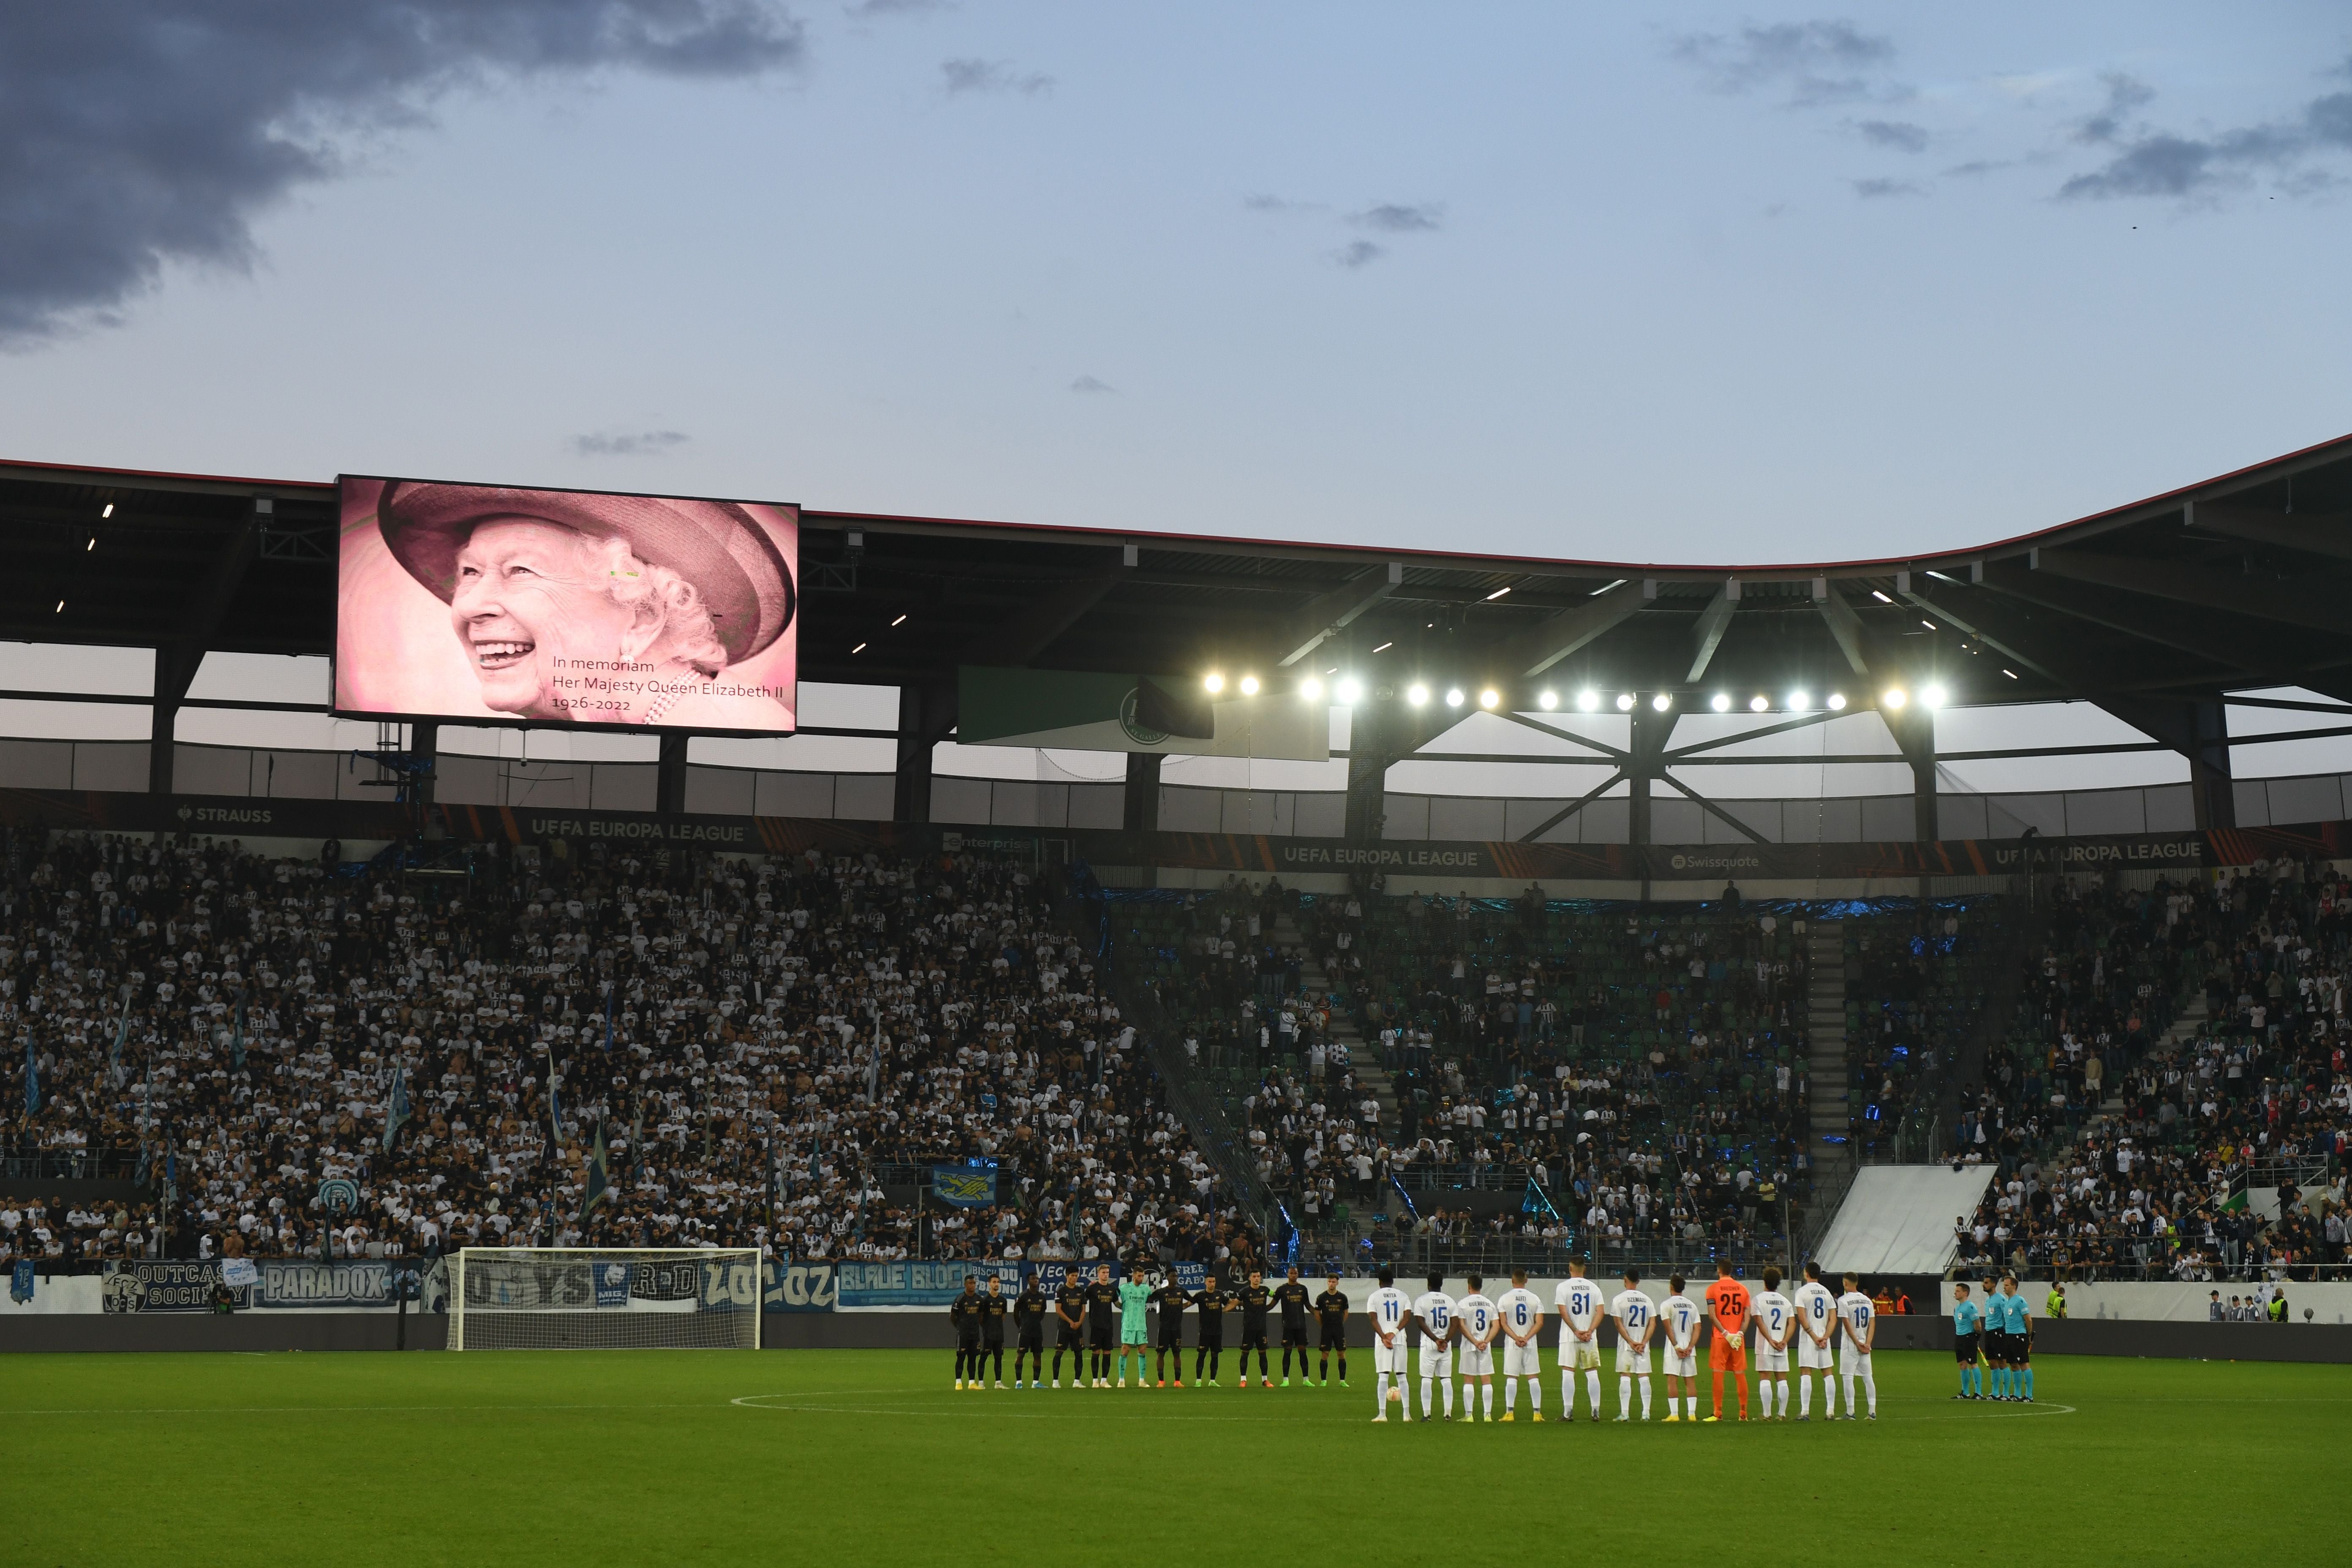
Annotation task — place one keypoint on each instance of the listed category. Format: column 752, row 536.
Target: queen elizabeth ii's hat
column 736, row 567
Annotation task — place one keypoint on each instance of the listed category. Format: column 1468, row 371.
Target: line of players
column 1808, row 1323
column 1099, row 1323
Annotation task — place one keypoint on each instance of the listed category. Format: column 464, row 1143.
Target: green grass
column 629, row 1457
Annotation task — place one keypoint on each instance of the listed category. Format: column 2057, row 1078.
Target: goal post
column 545, row 1298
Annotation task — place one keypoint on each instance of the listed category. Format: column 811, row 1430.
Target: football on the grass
column 1396, row 1396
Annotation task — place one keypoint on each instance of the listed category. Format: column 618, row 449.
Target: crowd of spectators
column 2206, row 1150
column 602, row 1046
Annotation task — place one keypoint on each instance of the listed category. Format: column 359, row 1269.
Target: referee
column 1967, row 1321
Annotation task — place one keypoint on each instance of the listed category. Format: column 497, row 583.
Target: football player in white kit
column 1678, row 1320
column 1858, row 1319
column 1433, row 1316
column 1637, row 1320
column 1776, row 1324
column 1387, row 1308
column 1523, row 1320
column 1578, row 1301
column 1816, row 1318
column 1478, row 1321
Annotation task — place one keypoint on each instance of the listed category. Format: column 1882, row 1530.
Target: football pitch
column 869, row 1456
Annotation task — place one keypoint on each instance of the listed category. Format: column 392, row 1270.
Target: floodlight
column 1453, row 697
column 1547, row 701
column 1662, row 702
column 1416, row 694
column 1720, row 702
column 1933, row 696
column 1213, row 684
column 1588, row 699
column 1310, row 688
column 1800, row 702
column 1349, row 691
column 1489, row 697
column 1249, row 685
column 1892, row 698
column 1837, row 702
column 1625, row 702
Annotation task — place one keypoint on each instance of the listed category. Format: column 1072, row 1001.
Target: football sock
column 1740, row 1383
column 1624, row 1394
column 1323, row 1372
column 1343, row 1367
column 1718, row 1394
column 1804, row 1395
column 1486, row 1400
column 1447, row 1384
column 1428, row 1397
column 1380, row 1394
column 1646, row 1398
column 1510, row 1396
column 1534, row 1395
column 1783, row 1386
column 1870, row 1388
column 1592, row 1388
column 2029, row 1382
column 1829, row 1391
column 1567, row 1393
column 1690, row 1406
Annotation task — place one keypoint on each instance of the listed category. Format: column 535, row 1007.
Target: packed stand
column 601, row 1047
column 2211, row 1149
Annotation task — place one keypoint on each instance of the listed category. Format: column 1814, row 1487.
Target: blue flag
column 964, row 1186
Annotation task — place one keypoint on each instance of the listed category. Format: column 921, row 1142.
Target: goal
column 540, row 1298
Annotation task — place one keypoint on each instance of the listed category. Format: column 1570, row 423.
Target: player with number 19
column 1858, row 1321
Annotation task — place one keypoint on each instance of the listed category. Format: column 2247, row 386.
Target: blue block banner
column 916, row 1284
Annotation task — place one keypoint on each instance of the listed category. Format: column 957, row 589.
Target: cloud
column 1899, row 135
column 991, row 76
column 1397, row 217
column 1822, row 62
column 1358, row 253
column 1088, row 384
column 2148, row 162
column 630, row 444
column 2123, row 95
column 1872, row 190
column 895, row 8
column 134, row 136
column 1263, row 203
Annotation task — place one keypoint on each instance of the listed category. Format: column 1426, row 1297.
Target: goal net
column 604, row 1299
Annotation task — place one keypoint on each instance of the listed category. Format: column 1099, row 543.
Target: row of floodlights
column 1347, row 691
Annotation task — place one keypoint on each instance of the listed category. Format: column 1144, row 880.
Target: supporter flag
column 121, row 1034
column 32, row 1079
column 554, row 1105
column 964, row 1186
column 237, row 1038
column 595, row 1189
column 610, row 988
column 396, row 1112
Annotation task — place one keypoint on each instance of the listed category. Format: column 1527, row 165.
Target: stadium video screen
column 482, row 603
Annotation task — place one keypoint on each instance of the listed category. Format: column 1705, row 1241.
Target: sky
column 1669, row 283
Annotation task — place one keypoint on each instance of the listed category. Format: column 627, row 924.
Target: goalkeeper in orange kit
column 1728, row 1309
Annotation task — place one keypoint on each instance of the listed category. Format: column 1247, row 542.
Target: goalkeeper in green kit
column 1134, row 1296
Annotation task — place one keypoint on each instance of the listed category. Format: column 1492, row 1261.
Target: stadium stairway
column 1827, row 1087
column 1371, row 1072
column 2184, row 1027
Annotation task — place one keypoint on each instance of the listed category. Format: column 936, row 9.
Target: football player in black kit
column 1070, row 1326
column 993, row 1306
column 964, row 1314
column 1254, row 1298
column 1332, row 1312
column 1293, row 1297
column 1029, row 1333
column 1171, row 1298
column 1214, row 1302
column 1102, row 1325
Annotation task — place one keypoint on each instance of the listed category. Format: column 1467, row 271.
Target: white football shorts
column 1579, row 1355
column 1522, row 1361
column 1477, row 1361
column 1811, row 1357
column 1853, row 1359
column 1770, row 1360
column 1632, row 1363
column 1436, row 1361
column 1681, row 1366
column 1389, row 1359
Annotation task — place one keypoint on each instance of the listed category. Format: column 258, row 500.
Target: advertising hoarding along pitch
column 483, row 602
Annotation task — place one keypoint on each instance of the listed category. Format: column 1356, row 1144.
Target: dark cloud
column 895, row 8
column 1899, row 135
column 2147, row 161
column 1358, row 253
column 1263, row 203
column 1088, row 384
column 1398, row 218
column 2125, row 94
column 991, row 76
column 630, row 444
column 1872, row 190
column 135, row 135
column 1822, row 62
column 1979, row 166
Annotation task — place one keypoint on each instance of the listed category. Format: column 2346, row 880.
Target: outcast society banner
column 249, row 817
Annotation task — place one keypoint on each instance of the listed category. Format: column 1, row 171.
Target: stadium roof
column 2240, row 582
